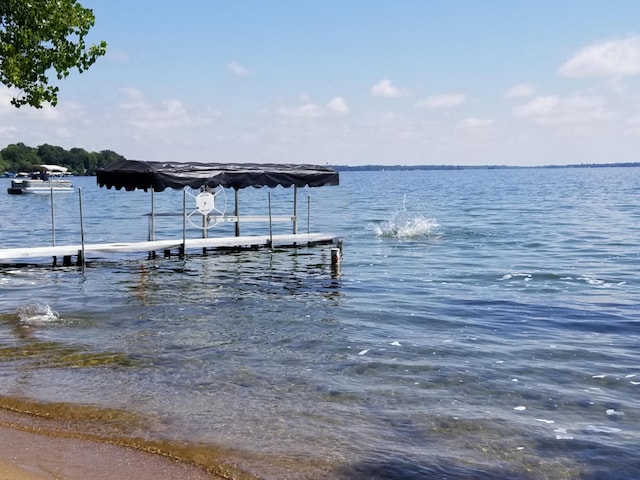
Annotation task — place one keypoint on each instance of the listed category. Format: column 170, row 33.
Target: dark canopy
column 132, row 174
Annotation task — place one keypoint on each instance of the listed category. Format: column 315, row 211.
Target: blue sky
column 352, row 82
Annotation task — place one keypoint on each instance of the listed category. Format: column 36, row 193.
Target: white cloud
column 552, row 109
column 447, row 100
column 169, row 114
column 520, row 91
column 64, row 112
column 472, row 122
column 633, row 124
column 309, row 109
column 8, row 131
column 63, row 133
column 132, row 93
column 613, row 58
column 6, row 94
column 338, row 105
column 385, row 89
column 47, row 112
column 117, row 56
column 540, row 106
column 236, row 69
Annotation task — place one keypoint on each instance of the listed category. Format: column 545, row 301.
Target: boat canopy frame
column 158, row 176
column 207, row 177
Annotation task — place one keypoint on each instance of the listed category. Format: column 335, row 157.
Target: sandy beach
column 53, row 442
column 28, row 455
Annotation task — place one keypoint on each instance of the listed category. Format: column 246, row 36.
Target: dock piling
column 270, row 222
column 308, row 213
column 81, row 252
column 335, row 261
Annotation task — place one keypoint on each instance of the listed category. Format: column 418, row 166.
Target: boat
column 46, row 179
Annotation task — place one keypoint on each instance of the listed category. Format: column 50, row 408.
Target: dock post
column 53, row 219
column 81, row 253
column 205, row 222
column 335, row 261
column 152, row 219
column 308, row 214
column 237, row 213
column 184, row 222
column 270, row 223
column 295, row 209
column 152, row 225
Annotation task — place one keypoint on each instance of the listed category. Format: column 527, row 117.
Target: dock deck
column 101, row 249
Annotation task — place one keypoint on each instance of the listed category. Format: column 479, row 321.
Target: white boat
column 32, row 185
column 48, row 179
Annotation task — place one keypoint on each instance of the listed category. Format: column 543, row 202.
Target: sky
column 352, row 82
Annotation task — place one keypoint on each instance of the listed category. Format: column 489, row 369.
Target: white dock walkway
column 101, row 249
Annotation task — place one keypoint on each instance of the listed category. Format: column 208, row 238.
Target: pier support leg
column 335, row 261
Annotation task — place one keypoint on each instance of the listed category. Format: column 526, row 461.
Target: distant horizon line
column 373, row 167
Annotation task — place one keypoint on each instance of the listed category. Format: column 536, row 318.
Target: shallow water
column 484, row 324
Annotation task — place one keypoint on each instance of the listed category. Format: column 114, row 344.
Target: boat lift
column 210, row 181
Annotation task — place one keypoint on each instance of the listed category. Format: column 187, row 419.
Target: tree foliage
column 38, row 37
column 19, row 157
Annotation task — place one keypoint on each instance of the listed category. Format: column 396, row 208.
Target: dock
column 180, row 246
column 204, row 185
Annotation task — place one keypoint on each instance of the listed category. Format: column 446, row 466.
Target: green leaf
column 39, row 38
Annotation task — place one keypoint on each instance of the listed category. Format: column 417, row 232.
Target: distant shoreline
column 363, row 168
column 379, row 168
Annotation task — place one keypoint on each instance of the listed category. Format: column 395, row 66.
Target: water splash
column 402, row 224
column 37, row 314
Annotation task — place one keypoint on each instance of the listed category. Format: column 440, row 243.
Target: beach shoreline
column 61, row 441
column 28, row 455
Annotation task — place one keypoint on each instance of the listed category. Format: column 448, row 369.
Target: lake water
column 483, row 324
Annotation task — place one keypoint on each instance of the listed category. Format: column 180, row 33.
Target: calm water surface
column 484, row 324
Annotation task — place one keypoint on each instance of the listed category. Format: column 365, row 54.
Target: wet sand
column 26, row 455
column 63, row 441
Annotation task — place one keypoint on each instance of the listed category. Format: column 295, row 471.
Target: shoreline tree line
column 19, row 157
